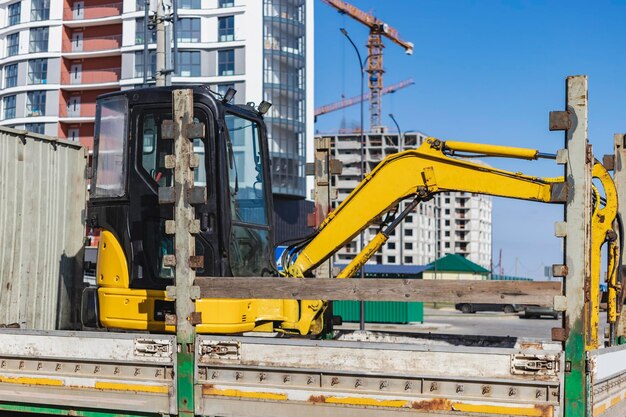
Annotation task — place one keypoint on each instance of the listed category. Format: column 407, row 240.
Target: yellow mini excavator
column 235, row 236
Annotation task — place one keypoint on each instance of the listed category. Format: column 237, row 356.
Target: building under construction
column 449, row 223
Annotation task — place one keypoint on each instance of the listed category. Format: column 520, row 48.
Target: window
column 13, row 44
column 36, row 128
column 38, row 40
column 14, row 11
column 139, row 64
column 189, row 4
column 8, row 104
column 110, row 137
column 226, row 62
column 10, row 76
column 227, row 3
column 188, row 30
column 447, row 233
column 408, row 259
column 189, row 63
column 391, row 259
column 447, row 245
column 141, row 5
column 36, row 103
column 226, row 28
column 408, row 232
column 38, row 71
column 391, row 245
column 446, row 222
column 139, row 28
column 246, row 173
column 446, row 211
column 40, row 10
column 408, row 246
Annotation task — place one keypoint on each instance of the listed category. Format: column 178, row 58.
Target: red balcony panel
column 92, row 11
column 93, row 44
column 95, row 76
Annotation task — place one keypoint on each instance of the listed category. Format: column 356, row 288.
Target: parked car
column 535, row 312
column 467, row 308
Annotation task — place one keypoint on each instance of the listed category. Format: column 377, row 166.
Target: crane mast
column 375, row 46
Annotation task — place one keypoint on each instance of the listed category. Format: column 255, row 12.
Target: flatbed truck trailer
column 82, row 373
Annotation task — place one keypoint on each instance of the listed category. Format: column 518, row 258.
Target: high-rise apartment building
column 451, row 222
column 57, row 56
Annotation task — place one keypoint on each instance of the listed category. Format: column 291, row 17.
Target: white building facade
column 57, row 56
column 452, row 222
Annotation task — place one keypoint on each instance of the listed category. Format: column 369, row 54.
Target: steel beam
column 577, row 254
column 184, row 247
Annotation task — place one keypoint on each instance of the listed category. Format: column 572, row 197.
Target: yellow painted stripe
column 115, row 386
column 244, row 394
column 367, row 401
column 509, row 411
column 599, row 410
column 31, row 381
column 615, row 400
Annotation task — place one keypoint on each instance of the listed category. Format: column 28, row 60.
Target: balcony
column 98, row 14
column 93, row 46
column 91, row 79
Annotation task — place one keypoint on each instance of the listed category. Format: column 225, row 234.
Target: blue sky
column 488, row 71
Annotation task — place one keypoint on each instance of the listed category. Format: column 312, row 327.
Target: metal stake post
column 184, row 226
column 576, row 269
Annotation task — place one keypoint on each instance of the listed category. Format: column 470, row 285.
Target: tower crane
column 347, row 102
column 375, row 46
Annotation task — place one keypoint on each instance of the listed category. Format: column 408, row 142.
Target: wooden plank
column 503, row 292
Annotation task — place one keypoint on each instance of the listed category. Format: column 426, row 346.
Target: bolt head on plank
column 560, row 120
column 168, row 129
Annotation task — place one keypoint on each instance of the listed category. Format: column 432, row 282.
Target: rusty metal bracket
column 169, row 260
column 194, row 130
column 195, row 318
column 608, row 161
column 558, row 192
column 336, row 167
column 196, row 262
column 559, row 270
column 167, row 195
column 168, row 129
column 560, row 120
column 196, row 195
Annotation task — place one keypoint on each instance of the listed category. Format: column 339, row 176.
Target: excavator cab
column 235, row 238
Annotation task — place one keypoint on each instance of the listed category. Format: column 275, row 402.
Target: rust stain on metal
column 436, row 404
column 546, row 410
column 531, row 345
column 317, row 399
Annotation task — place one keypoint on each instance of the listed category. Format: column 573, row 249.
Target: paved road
column 448, row 321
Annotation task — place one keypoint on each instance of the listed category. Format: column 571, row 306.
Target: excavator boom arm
column 417, row 173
